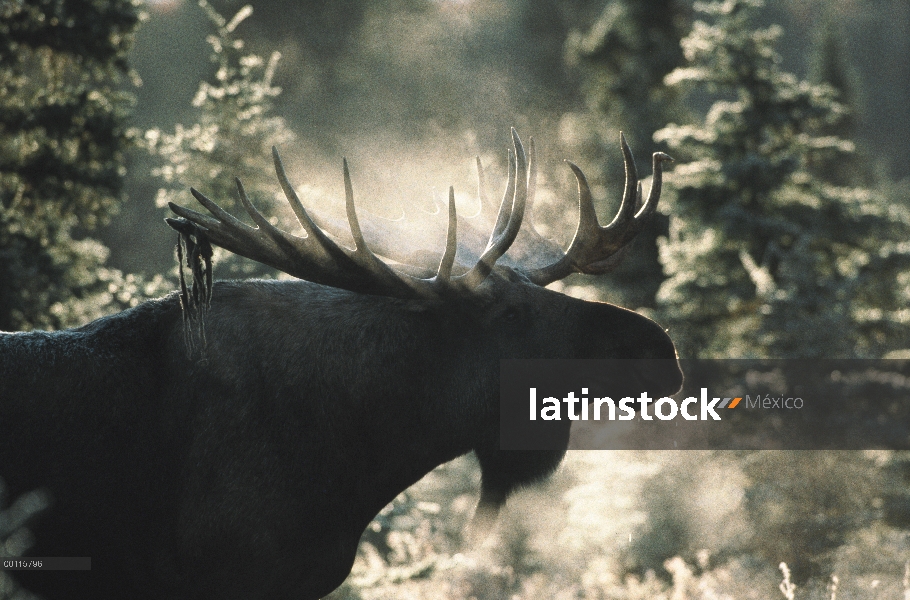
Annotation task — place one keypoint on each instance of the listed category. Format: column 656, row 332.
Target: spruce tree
column 63, row 139
column 772, row 253
column 623, row 59
column 765, row 257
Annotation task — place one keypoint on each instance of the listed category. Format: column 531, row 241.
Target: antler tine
column 594, row 248
column 261, row 222
column 650, row 205
column 627, row 206
column 444, row 272
column 517, row 212
column 500, row 243
column 360, row 244
column 486, row 207
column 212, row 207
column 587, row 215
column 505, row 206
column 303, row 218
column 361, row 249
column 204, row 220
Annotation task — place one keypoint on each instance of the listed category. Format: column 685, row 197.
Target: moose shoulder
column 248, row 463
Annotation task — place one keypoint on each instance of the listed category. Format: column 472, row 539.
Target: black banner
column 723, row 404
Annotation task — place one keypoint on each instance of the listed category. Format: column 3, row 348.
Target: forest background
column 783, row 233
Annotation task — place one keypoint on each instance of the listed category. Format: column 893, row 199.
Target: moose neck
column 388, row 418
column 399, row 388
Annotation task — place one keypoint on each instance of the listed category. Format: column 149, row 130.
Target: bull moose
column 241, row 453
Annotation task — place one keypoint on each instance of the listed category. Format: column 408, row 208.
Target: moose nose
column 657, row 361
column 664, row 375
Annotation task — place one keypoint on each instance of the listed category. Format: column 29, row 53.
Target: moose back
column 233, row 440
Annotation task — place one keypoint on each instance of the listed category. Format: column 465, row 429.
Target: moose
column 235, row 440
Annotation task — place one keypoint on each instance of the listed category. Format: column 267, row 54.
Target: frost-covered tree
column 774, row 253
column 63, row 139
column 232, row 137
column 765, row 256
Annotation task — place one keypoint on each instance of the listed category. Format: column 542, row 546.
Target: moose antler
column 596, row 250
column 318, row 259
